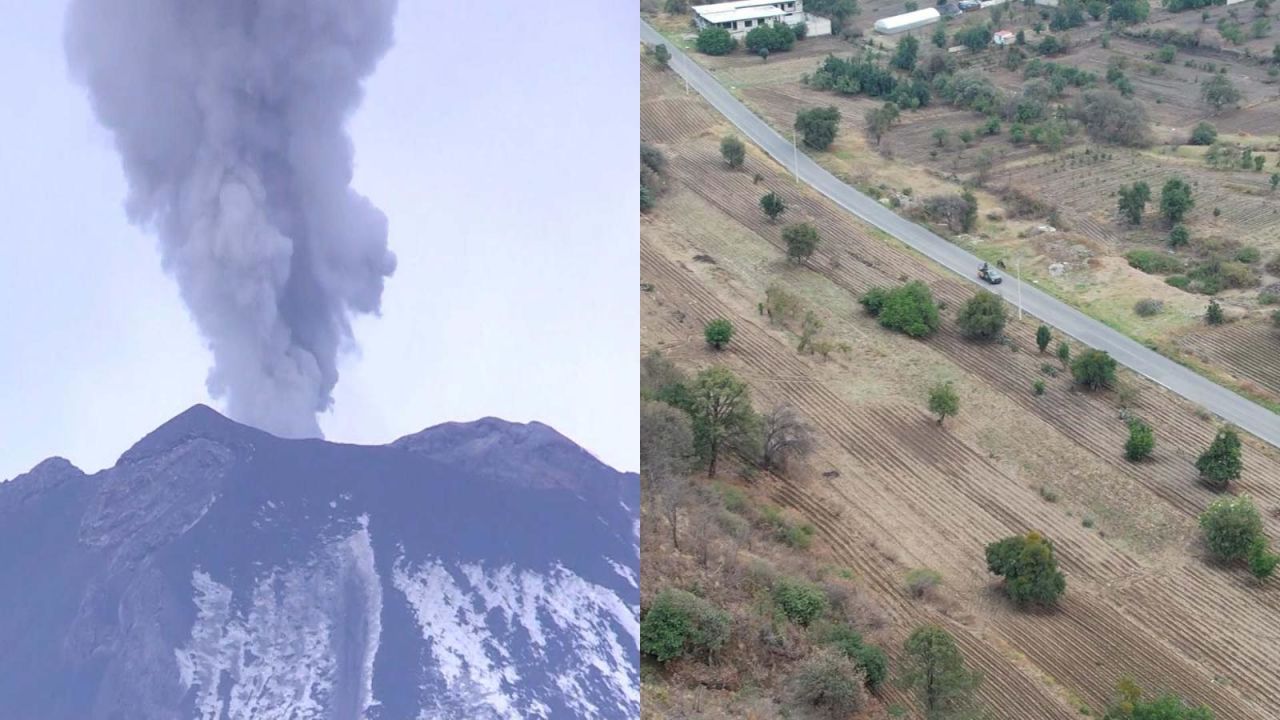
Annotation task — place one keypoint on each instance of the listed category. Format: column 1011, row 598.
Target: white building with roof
column 742, row 16
column 907, row 21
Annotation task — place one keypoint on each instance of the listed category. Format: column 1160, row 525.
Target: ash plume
column 229, row 117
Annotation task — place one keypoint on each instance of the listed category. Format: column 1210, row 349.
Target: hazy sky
column 499, row 141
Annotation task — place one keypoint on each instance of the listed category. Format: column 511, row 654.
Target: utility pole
column 1019, row 269
column 795, row 156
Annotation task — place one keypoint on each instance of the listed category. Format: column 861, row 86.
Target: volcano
column 473, row 570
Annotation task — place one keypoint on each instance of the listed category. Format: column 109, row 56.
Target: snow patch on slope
column 282, row 655
column 472, row 617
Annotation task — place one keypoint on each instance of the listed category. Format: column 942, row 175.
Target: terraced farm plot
column 889, row 490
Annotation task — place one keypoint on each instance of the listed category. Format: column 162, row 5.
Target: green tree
column 940, row 36
column 1043, row 336
column 662, row 55
column 870, row 659
column 908, row 309
column 1179, row 236
column 1133, row 200
column 1221, row 463
column 904, row 58
column 1213, row 314
column 1175, row 200
column 800, row 602
column 776, row 37
column 733, row 151
column 1130, row 705
column 934, row 670
column 1029, row 568
column 1142, row 440
column 1220, row 92
column 1064, row 353
column 880, row 119
column 940, row 136
column 970, row 217
column 943, row 401
column 801, row 239
column 722, row 414
column 818, row 126
column 1231, row 526
column 1204, row 133
column 718, row 332
column 715, row 41
column 1275, row 180
column 1094, row 369
column 678, row 623
column 773, row 205
column 1262, row 562
column 982, row 317
column 974, row 37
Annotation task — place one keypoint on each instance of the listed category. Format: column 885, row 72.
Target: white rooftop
column 741, row 10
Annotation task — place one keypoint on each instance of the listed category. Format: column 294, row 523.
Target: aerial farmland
column 911, row 450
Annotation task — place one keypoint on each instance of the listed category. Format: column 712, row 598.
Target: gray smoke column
column 229, row 117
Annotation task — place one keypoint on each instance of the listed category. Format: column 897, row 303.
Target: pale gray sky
column 501, row 146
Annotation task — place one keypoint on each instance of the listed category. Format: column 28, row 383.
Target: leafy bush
column 776, row 37
column 1142, row 440
column 870, row 659
column 1204, row 133
column 1148, row 307
column 680, row 623
column 1213, row 313
column 1094, row 369
column 1231, row 526
column 1262, row 562
column 801, row 240
column 1221, row 463
column 1029, row 569
column 1109, row 117
column 1175, row 200
column 718, row 332
column 818, row 126
column 1220, row 92
column 799, row 601
column 982, row 317
column 1130, row 704
column 909, row 309
column 1154, row 262
column 974, row 37
column 957, row 212
column 716, row 41
column 733, row 151
column 904, row 58
column 1043, row 337
column 773, row 205
column 921, row 580
column 1133, row 200
column 1248, row 255
column 829, row 683
column 943, row 401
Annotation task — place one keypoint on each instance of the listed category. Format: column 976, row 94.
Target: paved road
column 1236, row 409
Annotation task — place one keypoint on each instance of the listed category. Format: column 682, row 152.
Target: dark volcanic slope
column 480, row 570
